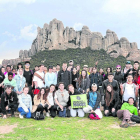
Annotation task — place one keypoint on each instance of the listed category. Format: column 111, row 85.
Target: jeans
column 21, row 110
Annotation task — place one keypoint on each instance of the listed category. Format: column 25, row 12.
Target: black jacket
column 97, row 101
column 65, row 77
column 94, row 78
column 114, row 83
column 114, row 103
column 118, row 77
column 9, row 100
column 76, row 92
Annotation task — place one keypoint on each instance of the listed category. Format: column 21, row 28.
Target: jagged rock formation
column 55, row 36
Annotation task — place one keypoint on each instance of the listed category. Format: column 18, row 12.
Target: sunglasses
column 27, row 64
column 118, row 68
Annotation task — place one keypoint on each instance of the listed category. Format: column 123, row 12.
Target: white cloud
column 8, row 5
column 78, row 26
column 28, row 33
column 17, row 1
column 121, row 6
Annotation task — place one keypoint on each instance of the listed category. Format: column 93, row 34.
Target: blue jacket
column 20, row 83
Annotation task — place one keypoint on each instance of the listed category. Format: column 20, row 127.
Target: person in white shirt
column 39, row 77
column 129, row 89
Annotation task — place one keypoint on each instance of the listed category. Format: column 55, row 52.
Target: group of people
column 49, row 89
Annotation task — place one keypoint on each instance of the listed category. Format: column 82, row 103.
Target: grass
column 68, row 129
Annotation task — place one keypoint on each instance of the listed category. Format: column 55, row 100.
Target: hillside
column 80, row 56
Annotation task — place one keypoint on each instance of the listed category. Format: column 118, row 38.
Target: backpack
column 94, row 117
column 38, row 116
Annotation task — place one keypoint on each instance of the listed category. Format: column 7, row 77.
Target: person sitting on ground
column 51, row 106
column 73, row 112
column 94, row 99
column 61, row 99
column 40, row 102
column 8, row 101
column 25, row 103
column 10, row 81
column 20, row 81
column 111, row 102
column 126, row 112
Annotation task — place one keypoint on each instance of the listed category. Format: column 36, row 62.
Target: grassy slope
column 69, row 129
column 80, row 56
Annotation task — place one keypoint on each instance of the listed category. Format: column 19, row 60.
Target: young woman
column 94, row 99
column 73, row 112
column 83, row 82
column 74, row 77
column 20, row 81
column 25, row 103
column 108, row 70
column 50, row 101
column 19, row 66
column 40, row 102
column 111, row 102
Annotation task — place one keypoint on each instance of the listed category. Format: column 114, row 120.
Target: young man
column 28, row 74
column 61, row 99
column 94, row 99
column 126, row 112
column 133, row 70
column 57, row 68
column 8, row 101
column 39, row 77
column 10, row 81
column 50, row 77
column 8, row 69
column 25, row 104
column 111, row 81
column 129, row 89
column 64, row 76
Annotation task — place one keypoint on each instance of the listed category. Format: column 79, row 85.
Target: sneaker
column 124, row 124
column 131, row 123
column 47, row 114
column 20, row 116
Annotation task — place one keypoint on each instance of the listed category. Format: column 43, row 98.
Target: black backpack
column 37, row 115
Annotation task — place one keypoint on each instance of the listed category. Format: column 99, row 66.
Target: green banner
column 78, row 101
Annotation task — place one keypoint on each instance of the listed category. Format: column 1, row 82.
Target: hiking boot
column 131, row 123
column 12, row 114
column 124, row 124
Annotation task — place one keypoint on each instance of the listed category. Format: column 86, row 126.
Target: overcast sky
column 19, row 20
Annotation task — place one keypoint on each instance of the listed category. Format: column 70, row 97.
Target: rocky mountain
column 55, row 36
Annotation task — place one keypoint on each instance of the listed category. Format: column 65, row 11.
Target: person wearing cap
column 94, row 99
column 71, row 63
column 133, row 70
column 50, row 77
column 124, row 71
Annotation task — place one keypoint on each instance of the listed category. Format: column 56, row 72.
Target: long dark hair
column 108, row 100
column 44, row 95
column 47, row 92
column 110, row 69
column 81, row 77
column 136, row 76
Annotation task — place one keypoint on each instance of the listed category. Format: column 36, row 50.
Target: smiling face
column 52, row 88
column 109, row 89
column 71, row 88
column 94, row 88
column 42, row 91
column 118, row 69
column 131, row 101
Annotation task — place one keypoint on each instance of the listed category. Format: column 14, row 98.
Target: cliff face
column 55, row 36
